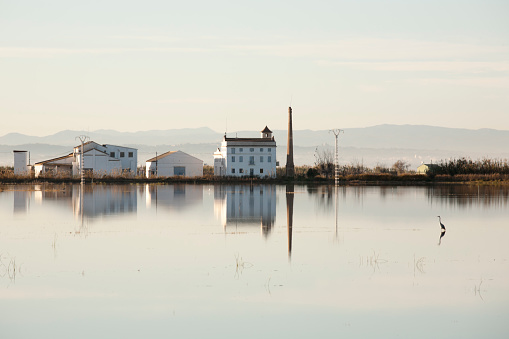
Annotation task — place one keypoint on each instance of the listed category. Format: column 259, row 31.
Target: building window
column 261, row 172
column 131, row 154
column 233, row 170
column 261, row 149
column 251, row 150
column 241, row 149
column 233, row 158
column 233, row 150
column 241, row 170
column 112, row 154
column 251, row 160
column 269, row 159
column 261, row 158
column 269, row 149
column 122, row 154
column 241, row 158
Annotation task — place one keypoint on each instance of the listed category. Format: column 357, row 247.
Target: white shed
column 424, row 168
column 64, row 165
column 174, row 163
column 21, row 162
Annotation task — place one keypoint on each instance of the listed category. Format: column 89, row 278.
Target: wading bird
column 441, row 225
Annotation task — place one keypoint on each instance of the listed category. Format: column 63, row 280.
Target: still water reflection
column 194, row 261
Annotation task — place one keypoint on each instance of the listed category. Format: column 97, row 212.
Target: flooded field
column 228, row 261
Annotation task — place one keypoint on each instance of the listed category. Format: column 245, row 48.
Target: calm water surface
column 240, row 261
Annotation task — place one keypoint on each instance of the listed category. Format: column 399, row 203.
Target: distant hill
column 155, row 137
column 382, row 144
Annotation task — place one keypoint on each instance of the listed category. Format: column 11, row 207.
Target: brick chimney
column 290, row 169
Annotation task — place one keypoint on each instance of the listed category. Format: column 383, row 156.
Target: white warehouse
column 174, row 163
column 99, row 159
column 247, row 156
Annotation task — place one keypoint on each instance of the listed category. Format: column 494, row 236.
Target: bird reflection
column 441, row 236
column 441, row 225
column 442, row 233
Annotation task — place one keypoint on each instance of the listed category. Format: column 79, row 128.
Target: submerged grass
column 8, row 267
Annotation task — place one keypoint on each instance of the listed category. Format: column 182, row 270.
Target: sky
column 238, row 65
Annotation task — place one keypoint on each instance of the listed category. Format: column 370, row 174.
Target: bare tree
column 324, row 161
column 401, row 166
column 381, row 169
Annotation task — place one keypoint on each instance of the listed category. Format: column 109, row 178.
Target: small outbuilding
column 21, row 166
column 174, row 163
column 424, row 168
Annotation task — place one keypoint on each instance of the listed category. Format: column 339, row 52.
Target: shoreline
column 351, row 180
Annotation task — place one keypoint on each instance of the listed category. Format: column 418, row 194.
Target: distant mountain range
column 156, row 137
column 382, row 144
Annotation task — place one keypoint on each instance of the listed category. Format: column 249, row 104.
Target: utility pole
column 336, row 156
column 82, row 138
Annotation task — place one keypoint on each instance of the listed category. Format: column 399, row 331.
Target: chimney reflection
column 243, row 205
column 290, row 193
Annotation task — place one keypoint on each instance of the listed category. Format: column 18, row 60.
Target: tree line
column 324, row 167
column 469, row 166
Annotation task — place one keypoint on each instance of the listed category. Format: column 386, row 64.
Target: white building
column 21, row 163
column 247, row 156
column 176, row 163
column 424, row 168
column 65, row 165
column 99, row 159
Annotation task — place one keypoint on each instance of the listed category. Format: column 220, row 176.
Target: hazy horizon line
column 248, row 130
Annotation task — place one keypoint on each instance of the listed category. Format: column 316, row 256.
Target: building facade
column 241, row 157
column 176, row 163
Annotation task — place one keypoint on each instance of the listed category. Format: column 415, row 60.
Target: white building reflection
column 246, row 205
column 21, row 201
column 95, row 201
column 90, row 201
column 173, row 197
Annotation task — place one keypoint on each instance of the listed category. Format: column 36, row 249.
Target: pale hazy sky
column 142, row 65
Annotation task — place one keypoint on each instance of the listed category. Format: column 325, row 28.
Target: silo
column 20, row 162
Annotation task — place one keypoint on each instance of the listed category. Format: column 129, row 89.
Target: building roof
column 86, row 143
column 110, row 145
column 104, row 145
column 250, row 139
column 55, row 159
column 266, row 130
column 164, row 155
